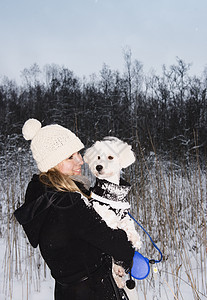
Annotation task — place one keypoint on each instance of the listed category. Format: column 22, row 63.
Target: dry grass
column 168, row 199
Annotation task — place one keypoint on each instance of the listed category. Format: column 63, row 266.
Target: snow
column 155, row 286
column 21, row 290
column 178, row 227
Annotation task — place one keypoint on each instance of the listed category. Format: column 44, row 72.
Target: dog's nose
column 99, row 168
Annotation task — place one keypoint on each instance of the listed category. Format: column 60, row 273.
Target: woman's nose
column 78, row 159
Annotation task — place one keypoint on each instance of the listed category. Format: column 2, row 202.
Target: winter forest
column 164, row 118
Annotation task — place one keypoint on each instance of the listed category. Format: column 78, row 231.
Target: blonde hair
column 59, row 181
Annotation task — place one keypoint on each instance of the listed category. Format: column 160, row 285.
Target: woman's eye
column 110, row 157
column 71, row 157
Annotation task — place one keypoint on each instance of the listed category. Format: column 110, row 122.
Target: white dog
column 106, row 159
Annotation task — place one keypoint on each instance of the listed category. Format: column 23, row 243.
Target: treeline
column 167, row 112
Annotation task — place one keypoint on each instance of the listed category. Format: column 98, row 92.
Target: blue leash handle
column 154, row 260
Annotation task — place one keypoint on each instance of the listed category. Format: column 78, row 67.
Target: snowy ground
column 182, row 275
column 155, row 287
column 20, row 289
column 20, row 292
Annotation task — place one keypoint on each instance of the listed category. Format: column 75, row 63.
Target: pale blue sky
column 84, row 34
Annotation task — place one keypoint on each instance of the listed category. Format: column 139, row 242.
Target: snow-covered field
column 156, row 286
column 168, row 200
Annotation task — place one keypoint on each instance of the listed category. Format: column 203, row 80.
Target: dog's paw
column 128, row 226
column 135, row 240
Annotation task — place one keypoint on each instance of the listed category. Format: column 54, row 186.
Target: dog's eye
column 99, row 157
column 110, row 157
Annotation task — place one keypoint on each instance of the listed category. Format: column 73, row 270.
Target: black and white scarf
column 111, row 194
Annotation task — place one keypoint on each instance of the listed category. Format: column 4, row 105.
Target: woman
column 74, row 241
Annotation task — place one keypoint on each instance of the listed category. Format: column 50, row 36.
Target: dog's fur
column 112, row 154
column 106, row 159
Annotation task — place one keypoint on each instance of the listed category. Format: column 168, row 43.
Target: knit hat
column 50, row 144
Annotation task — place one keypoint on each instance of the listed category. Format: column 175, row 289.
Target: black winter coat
column 73, row 239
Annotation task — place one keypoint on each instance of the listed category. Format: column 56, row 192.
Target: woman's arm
column 90, row 227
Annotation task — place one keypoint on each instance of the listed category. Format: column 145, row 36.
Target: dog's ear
column 88, row 155
column 91, row 153
column 126, row 155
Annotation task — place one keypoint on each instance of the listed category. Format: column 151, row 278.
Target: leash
column 152, row 261
column 141, row 268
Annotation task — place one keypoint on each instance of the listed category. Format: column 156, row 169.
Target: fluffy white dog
column 106, row 159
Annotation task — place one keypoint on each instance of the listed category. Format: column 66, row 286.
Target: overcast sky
column 84, row 34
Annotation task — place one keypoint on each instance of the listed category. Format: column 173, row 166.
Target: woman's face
column 71, row 165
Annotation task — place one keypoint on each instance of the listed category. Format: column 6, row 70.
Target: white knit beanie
column 50, row 144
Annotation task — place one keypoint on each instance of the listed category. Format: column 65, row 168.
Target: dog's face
column 106, row 158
